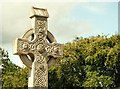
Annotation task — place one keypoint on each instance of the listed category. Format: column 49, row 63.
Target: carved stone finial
column 40, row 12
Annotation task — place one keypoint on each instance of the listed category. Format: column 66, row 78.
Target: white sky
column 66, row 20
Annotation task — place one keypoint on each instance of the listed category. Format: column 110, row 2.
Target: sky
column 66, row 21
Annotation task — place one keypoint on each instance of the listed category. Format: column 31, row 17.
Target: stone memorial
column 38, row 49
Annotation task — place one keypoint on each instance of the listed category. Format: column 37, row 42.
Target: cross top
column 38, row 48
column 39, row 12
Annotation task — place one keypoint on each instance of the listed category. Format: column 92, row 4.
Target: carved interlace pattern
column 41, row 49
column 54, row 50
column 41, row 74
column 41, row 71
column 41, row 26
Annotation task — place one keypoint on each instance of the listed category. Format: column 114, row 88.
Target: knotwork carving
column 38, row 48
column 41, row 24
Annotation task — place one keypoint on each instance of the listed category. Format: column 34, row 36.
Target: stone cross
column 38, row 49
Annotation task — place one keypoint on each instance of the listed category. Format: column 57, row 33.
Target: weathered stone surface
column 38, row 49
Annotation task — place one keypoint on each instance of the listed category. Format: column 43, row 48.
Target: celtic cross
column 38, row 49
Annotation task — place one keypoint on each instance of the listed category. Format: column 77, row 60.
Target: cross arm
column 21, row 46
column 54, row 49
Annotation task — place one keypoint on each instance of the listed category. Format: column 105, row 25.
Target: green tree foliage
column 12, row 75
column 88, row 62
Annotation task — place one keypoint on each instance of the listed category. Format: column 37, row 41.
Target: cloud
column 44, row 1
column 95, row 8
column 16, row 18
column 67, row 29
column 60, row 1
